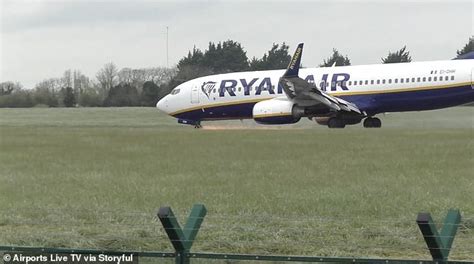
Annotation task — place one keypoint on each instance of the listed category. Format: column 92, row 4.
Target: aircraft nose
column 162, row 105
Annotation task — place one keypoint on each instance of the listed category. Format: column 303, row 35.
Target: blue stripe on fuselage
column 371, row 103
column 412, row 100
column 234, row 111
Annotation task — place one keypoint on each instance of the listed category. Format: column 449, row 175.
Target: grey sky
column 41, row 39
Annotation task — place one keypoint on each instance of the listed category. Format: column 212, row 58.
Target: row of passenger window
column 396, row 80
column 239, row 89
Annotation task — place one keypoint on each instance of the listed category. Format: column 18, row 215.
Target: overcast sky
column 42, row 39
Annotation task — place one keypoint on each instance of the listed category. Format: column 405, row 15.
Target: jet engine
column 277, row 112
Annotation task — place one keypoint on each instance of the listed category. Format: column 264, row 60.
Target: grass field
column 94, row 178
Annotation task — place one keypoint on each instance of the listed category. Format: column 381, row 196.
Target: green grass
column 94, row 178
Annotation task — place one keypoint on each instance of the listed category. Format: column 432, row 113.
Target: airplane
column 331, row 96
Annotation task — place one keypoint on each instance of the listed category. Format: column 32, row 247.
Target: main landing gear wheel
column 372, row 122
column 335, row 122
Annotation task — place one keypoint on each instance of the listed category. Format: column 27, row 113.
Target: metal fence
column 438, row 243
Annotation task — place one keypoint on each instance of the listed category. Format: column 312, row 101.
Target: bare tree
column 162, row 75
column 137, row 77
column 125, row 75
column 52, row 85
column 9, row 87
column 66, row 80
column 80, row 82
column 46, row 92
column 107, row 77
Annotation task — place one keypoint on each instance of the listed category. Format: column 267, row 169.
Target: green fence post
column 195, row 219
column 182, row 240
column 439, row 245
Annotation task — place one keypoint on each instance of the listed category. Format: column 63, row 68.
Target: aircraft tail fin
column 467, row 56
column 294, row 66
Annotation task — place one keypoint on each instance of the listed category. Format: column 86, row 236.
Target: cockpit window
column 175, row 91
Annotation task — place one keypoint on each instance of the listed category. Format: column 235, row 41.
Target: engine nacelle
column 277, row 112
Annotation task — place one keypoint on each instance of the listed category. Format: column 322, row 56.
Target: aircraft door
column 472, row 78
column 194, row 94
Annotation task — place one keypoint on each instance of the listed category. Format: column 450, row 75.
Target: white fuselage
column 372, row 88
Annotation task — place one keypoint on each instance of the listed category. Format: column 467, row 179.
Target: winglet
column 294, row 66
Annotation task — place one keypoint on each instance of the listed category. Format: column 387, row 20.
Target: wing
column 306, row 94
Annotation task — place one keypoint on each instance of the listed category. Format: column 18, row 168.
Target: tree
column 46, row 92
column 401, row 55
column 228, row 56
column 469, row 47
column 150, row 94
column 80, row 83
column 193, row 59
column 107, row 77
column 337, row 58
column 8, row 87
column 122, row 95
column 17, row 98
column 276, row 58
column 138, row 77
column 67, row 79
column 90, row 97
column 69, row 99
column 189, row 67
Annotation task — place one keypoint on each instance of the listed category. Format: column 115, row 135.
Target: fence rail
column 438, row 243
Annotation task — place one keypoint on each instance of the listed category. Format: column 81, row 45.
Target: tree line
column 111, row 87
column 145, row 86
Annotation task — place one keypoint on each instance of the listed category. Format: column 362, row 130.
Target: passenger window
column 418, row 79
column 389, row 80
column 435, row 78
column 407, row 80
column 350, row 82
column 240, row 89
column 371, row 81
column 378, row 81
column 413, row 79
column 446, row 78
column 383, row 81
column 429, row 79
column 401, row 80
column 360, row 82
column 396, row 80
column 452, row 78
column 424, row 79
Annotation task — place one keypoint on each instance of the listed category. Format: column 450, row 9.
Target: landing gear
column 372, row 122
column 198, row 124
column 335, row 122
